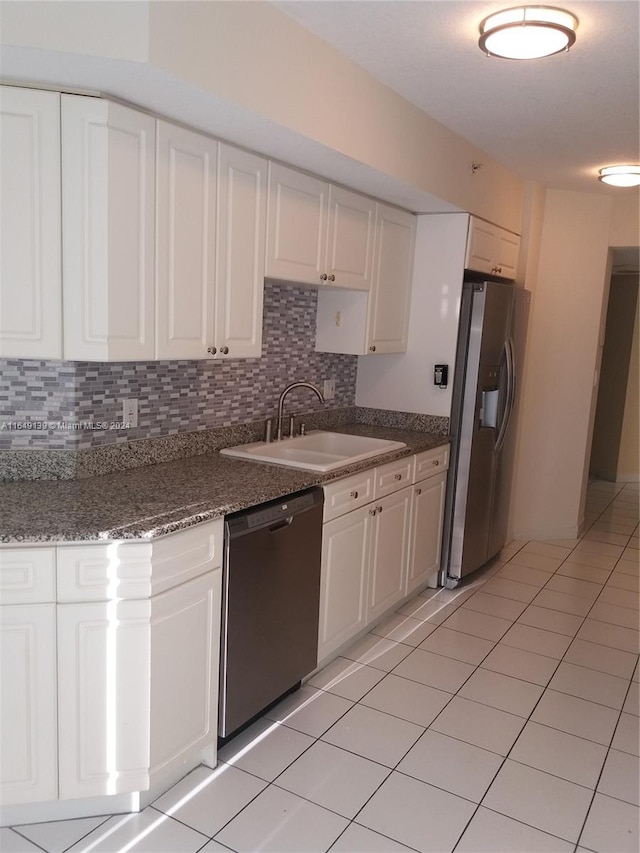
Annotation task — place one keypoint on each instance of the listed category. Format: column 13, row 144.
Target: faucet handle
column 268, row 430
column 292, row 426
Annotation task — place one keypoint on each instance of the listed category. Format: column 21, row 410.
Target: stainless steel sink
column 317, row 451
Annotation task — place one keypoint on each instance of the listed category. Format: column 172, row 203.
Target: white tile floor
column 501, row 716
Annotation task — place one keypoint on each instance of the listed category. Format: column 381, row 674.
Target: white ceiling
column 554, row 120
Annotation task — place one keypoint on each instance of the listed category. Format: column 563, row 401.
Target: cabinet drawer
column 393, row 476
column 27, row 575
column 104, row 572
column 430, row 462
column 187, row 554
column 347, row 494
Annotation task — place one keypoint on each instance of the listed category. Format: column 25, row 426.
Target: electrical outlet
column 130, row 412
column 329, row 390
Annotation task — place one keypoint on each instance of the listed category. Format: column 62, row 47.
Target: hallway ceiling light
column 620, row 176
column 528, row 32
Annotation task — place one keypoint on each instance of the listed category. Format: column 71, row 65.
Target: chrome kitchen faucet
column 282, row 399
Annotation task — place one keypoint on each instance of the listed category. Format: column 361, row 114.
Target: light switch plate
column 329, row 390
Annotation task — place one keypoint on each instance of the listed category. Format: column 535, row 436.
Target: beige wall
column 253, row 60
column 561, row 361
column 628, row 461
column 625, row 218
column 117, row 30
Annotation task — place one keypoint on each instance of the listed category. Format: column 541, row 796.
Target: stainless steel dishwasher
column 270, row 604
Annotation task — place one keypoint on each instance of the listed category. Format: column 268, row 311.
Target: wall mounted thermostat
column 441, row 375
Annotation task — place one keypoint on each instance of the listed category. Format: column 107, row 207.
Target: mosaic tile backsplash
column 66, row 401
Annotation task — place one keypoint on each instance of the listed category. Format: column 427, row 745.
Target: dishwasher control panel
column 269, row 513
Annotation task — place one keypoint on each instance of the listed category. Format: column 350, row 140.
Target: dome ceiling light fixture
column 528, row 32
column 620, row 176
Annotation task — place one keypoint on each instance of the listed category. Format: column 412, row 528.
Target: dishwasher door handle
column 281, row 524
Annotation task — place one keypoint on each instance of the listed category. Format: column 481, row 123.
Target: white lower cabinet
column 389, row 549
column 185, row 645
column 28, row 751
column 344, row 579
column 103, row 698
column 375, row 555
column 111, row 688
column 427, row 514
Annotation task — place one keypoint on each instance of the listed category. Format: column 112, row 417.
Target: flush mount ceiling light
column 528, row 32
column 620, row 176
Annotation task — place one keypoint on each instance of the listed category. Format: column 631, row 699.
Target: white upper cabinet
column 186, row 230
column 374, row 322
column 350, row 239
column 491, row 249
column 30, row 275
column 108, row 204
column 318, row 233
column 241, row 224
column 296, row 226
column 388, row 319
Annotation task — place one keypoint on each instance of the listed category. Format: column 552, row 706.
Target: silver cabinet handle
column 332, row 278
column 397, row 476
column 323, row 277
column 436, row 462
column 373, row 511
column 224, row 350
column 353, row 495
column 418, row 491
column 372, row 349
column 378, row 509
column 212, row 350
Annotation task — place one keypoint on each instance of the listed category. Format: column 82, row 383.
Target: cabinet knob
column 372, row 348
column 332, row 278
column 323, row 277
column 373, row 511
column 378, row 509
column 212, row 350
column 436, row 462
column 224, row 350
column 418, row 491
column 397, row 476
column 353, row 495
column 499, row 269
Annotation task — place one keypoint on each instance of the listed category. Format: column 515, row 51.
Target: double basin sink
column 316, row 451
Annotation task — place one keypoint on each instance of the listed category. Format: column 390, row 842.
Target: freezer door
column 483, row 408
column 505, row 458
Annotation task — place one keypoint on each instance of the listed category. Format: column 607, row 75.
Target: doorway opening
column 614, row 448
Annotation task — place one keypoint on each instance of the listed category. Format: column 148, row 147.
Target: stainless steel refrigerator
column 491, row 336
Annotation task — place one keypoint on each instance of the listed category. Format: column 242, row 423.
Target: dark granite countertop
column 154, row 500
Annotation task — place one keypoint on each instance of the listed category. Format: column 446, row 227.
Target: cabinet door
column 343, row 580
column 108, row 191
column 389, row 552
column 427, row 513
column 242, row 216
column 481, row 246
column 296, row 226
column 388, row 312
column 30, row 284
column 350, row 239
column 103, row 698
column 185, row 646
column 507, row 250
column 28, row 757
column 186, row 222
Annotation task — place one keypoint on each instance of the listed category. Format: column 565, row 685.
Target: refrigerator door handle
column 511, row 393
